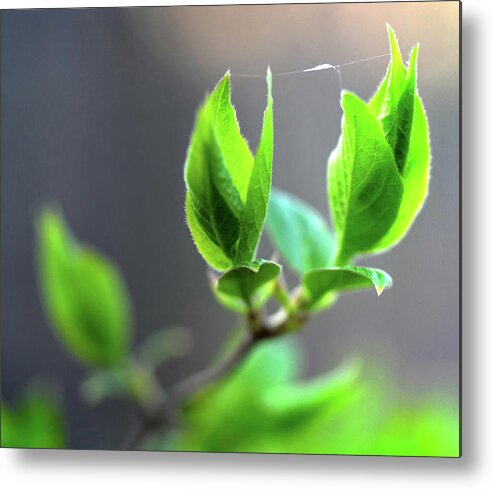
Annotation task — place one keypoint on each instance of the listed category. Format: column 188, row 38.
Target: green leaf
column 317, row 284
column 234, row 149
column 259, row 187
column 296, row 402
column 365, row 188
column 393, row 103
column 34, row 421
column 211, row 252
column 212, row 201
column 398, row 105
column 84, row 295
column 299, row 232
column 227, row 189
column 246, row 284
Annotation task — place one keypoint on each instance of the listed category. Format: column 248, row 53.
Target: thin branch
column 211, row 375
column 277, row 324
column 165, row 410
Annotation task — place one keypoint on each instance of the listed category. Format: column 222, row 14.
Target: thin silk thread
column 321, row 67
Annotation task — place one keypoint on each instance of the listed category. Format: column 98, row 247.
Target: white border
column 135, row 470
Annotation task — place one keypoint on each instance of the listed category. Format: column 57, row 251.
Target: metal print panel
column 232, row 229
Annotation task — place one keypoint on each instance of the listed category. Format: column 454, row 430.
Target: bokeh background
column 97, row 106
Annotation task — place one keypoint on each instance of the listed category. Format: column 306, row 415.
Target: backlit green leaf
column 317, row 284
column 213, row 203
column 398, row 105
column 227, row 189
column 259, row 186
column 365, row 188
column 393, row 103
column 236, row 153
column 299, row 232
column 248, row 283
column 84, row 295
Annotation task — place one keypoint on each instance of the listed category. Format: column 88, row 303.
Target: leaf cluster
column 377, row 181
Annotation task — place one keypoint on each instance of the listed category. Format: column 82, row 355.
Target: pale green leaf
column 415, row 177
column 102, row 385
column 398, row 104
column 318, row 284
column 393, row 103
column 299, row 232
column 365, row 188
column 164, row 345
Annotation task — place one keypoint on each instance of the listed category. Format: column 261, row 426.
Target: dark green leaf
column 318, row 284
column 84, row 295
column 365, row 188
column 299, row 232
column 211, row 252
column 212, row 201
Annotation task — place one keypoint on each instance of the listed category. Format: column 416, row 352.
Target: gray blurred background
column 96, row 110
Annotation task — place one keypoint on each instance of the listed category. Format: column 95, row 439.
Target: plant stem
column 165, row 411
column 277, row 324
column 212, row 374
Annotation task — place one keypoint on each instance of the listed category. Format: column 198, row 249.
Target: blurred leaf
column 227, row 189
column 133, row 381
column 34, row 421
column 247, row 286
column 102, row 385
column 163, row 345
column 365, row 188
column 299, row 232
column 317, row 284
column 427, row 430
column 84, row 295
column 263, row 408
column 259, row 186
column 294, row 403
